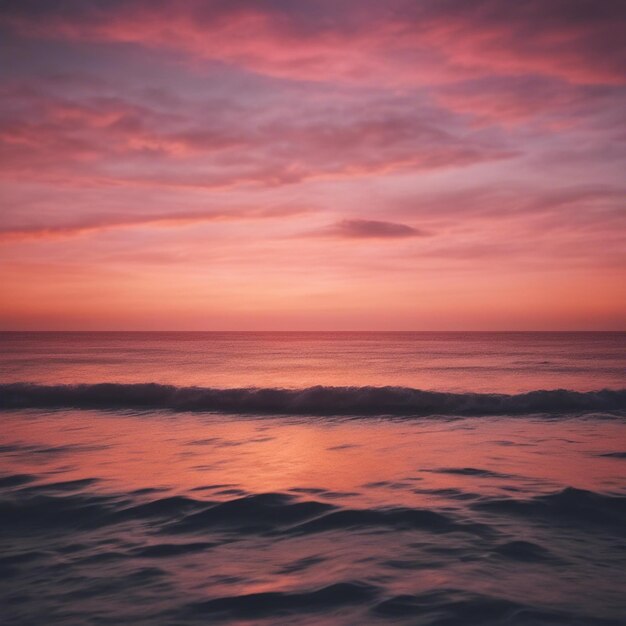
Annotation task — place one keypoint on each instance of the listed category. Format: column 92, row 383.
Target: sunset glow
column 312, row 165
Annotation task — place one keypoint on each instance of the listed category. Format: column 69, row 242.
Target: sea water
column 313, row 478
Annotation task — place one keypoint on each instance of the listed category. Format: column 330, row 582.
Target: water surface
column 135, row 499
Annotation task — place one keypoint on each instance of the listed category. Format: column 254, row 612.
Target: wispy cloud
column 116, row 222
column 114, row 140
column 397, row 42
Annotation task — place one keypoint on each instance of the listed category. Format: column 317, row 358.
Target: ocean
column 313, row 478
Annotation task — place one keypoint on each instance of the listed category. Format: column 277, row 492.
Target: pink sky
column 313, row 164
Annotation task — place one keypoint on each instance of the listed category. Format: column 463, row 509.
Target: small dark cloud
column 372, row 229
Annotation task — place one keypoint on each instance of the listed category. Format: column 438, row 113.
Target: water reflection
column 193, row 518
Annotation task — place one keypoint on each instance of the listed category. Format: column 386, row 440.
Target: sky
column 312, row 165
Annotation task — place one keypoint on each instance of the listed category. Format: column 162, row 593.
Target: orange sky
column 312, row 165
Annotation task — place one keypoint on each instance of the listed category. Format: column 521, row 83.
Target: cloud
column 371, row 229
column 97, row 224
column 397, row 42
column 224, row 143
column 516, row 100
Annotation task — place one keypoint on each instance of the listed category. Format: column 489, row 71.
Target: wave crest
column 317, row 400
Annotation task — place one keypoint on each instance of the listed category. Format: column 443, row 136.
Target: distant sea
column 313, row 478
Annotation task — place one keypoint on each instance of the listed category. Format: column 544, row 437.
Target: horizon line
column 604, row 330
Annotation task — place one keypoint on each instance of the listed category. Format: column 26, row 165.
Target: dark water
column 353, row 479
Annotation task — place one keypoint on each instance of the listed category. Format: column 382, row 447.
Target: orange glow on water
column 347, row 457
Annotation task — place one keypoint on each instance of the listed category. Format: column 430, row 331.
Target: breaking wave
column 318, row 400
